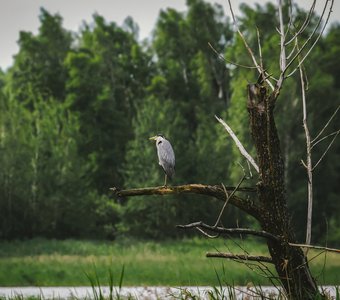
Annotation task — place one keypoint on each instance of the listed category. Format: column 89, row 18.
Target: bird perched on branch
column 166, row 156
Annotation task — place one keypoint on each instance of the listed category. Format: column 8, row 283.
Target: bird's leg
column 165, row 179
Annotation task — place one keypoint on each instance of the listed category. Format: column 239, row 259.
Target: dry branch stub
column 257, row 258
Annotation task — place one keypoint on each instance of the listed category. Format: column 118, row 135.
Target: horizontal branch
column 258, row 258
column 215, row 191
column 222, row 230
column 196, row 188
column 315, row 247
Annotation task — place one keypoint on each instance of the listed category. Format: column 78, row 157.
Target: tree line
column 77, row 108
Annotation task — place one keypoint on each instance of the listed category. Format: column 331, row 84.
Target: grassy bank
column 70, row 262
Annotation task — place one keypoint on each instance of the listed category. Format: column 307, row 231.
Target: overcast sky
column 17, row 15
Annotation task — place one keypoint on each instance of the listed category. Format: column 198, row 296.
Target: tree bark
column 291, row 263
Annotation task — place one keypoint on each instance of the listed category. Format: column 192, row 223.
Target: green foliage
column 41, row 169
column 38, row 67
column 107, row 75
column 77, row 109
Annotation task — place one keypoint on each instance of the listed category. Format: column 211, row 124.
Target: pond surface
column 148, row 293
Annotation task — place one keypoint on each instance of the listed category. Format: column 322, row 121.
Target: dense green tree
column 107, row 76
column 44, row 183
column 38, row 67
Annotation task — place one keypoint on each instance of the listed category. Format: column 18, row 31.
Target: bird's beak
column 153, row 138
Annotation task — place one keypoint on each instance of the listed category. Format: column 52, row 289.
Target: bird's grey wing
column 166, row 157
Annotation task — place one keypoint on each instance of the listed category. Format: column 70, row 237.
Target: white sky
column 17, row 15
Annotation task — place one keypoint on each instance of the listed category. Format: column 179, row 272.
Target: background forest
column 77, row 109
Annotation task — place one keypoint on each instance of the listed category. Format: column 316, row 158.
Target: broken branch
column 258, row 258
column 239, row 144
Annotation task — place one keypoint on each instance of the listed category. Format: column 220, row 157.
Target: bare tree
column 270, row 207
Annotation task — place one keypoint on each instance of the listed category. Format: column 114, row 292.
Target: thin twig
column 329, row 146
column 290, row 23
column 258, row 67
column 238, row 144
column 325, row 258
column 223, row 230
column 325, row 137
column 305, row 23
column 315, row 247
column 292, row 51
column 261, row 266
column 227, row 199
column 309, row 39
column 220, row 56
column 328, row 122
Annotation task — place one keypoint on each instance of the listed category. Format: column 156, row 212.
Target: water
column 141, row 293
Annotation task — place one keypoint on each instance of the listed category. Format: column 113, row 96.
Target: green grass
column 43, row 262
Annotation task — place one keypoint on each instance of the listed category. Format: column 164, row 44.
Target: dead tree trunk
column 271, row 207
column 290, row 262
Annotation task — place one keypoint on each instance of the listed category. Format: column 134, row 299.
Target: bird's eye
column 160, row 142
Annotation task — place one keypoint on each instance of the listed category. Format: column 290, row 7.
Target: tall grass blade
column 120, row 284
column 121, row 277
column 111, row 284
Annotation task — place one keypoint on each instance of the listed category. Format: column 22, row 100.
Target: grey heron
column 166, row 156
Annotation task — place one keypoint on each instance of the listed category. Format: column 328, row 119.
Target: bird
column 166, row 156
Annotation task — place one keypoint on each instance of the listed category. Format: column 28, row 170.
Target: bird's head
column 157, row 138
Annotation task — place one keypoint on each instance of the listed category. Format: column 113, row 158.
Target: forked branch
column 231, row 231
column 250, row 51
column 308, row 40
